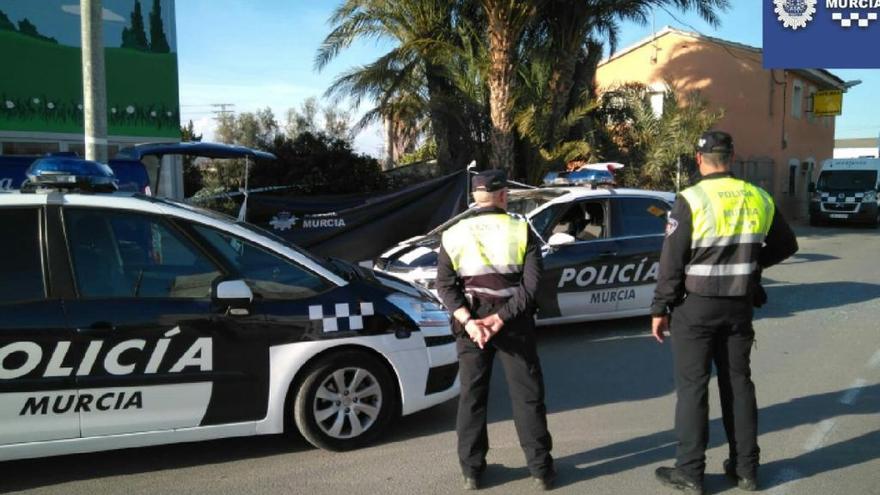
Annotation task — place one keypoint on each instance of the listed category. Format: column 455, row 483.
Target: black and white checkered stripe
column 835, row 198
column 343, row 318
column 854, row 19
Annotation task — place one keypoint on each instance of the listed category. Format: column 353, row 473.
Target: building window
column 19, row 148
column 797, row 99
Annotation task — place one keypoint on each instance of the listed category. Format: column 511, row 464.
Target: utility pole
column 94, row 80
column 223, row 109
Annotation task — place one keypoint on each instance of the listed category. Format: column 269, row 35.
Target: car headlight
column 870, row 196
column 425, row 313
column 816, row 196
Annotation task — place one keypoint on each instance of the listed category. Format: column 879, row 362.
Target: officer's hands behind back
column 480, row 331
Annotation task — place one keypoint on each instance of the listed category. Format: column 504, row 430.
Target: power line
column 223, row 109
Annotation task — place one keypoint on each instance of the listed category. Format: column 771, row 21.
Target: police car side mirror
column 235, row 296
column 560, row 238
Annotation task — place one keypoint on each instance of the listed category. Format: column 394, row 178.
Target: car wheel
column 344, row 401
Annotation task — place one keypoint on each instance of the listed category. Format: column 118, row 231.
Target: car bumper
column 430, row 382
column 856, row 213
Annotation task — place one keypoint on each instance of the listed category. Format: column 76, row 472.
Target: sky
column 260, row 53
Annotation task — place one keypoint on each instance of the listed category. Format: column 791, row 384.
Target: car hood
column 385, row 281
column 418, row 252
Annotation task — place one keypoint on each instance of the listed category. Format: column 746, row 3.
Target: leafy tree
column 192, row 174
column 26, row 27
column 252, row 129
column 158, row 40
column 335, row 122
column 318, row 164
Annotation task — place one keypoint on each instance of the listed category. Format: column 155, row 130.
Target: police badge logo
column 283, row 221
column 671, row 225
column 795, row 14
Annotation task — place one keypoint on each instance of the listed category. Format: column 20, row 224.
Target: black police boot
column 546, row 482
column 471, row 482
column 673, row 478
column 747, row 483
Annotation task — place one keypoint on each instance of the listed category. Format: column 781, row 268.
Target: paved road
column 610, row 395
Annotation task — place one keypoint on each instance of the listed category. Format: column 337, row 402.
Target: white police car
column 127, row 321
column 601, row 250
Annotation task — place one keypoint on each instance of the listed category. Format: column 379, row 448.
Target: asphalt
column 610, row 396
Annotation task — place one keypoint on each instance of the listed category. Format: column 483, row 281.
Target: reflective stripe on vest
column 730, row 220
column 488, row 251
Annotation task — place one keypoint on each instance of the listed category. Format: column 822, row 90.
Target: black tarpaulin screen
column 359, row 227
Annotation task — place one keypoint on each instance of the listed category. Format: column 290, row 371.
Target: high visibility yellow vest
column 488, row 252
column 730, row 220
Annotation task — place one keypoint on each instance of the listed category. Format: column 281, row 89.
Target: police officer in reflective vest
column 487, row 274
column 721, row 233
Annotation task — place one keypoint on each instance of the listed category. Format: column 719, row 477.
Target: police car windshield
column 519, row 202
column 847, row 180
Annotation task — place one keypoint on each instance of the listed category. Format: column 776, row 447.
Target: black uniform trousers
column 515, row 347
column 714, row 330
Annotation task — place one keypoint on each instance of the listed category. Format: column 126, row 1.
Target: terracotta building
column 780, row 145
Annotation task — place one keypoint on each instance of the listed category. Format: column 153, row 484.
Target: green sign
column 41, row 87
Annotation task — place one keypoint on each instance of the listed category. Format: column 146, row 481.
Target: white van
column 847, row 191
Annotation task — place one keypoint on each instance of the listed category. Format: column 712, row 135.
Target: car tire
column 344, row 401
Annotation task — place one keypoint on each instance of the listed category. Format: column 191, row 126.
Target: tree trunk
column 501, row 45
column 559, row 87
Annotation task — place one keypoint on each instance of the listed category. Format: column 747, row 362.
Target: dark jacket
column 779, row 244
column 451, row 289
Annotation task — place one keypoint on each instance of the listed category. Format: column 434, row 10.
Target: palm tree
column 426, row 41
column 652, row 144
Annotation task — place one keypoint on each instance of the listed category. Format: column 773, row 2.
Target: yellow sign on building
column 826, row 103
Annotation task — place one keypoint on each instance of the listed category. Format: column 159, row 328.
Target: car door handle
column 98, row 327
column 608, row 254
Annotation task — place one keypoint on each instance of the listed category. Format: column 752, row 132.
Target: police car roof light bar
column 69, row 174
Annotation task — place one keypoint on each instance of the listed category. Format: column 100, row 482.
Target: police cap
column 715, row 142
column 489, row 180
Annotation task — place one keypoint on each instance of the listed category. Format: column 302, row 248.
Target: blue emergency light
column 68, row 173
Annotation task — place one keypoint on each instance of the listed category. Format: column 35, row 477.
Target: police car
column 601, row 250
column 128, row 320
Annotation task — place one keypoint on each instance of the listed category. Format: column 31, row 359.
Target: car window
column 639, row 216
column 541, row 221
column 22, row 278
column 124, row 254
column 584, row 220
column 269, row 275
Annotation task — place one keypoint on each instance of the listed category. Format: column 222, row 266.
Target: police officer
column 487, row 274
column 721, row 233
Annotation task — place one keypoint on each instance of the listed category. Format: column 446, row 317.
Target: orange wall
column 732, row 79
